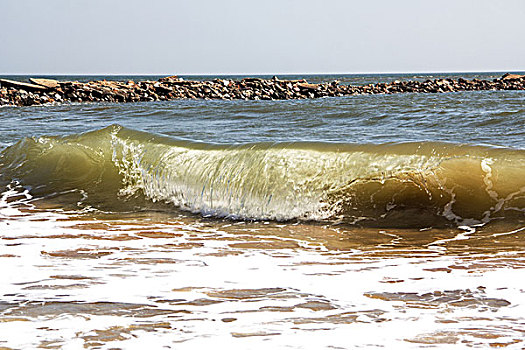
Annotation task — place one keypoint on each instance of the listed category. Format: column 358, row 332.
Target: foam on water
column 99, row 247
column 418, row 184
column 74, row 281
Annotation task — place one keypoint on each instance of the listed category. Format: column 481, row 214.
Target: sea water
column 379, row 220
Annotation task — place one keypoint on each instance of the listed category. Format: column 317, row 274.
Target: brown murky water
column 97, row 252
column 74, row 281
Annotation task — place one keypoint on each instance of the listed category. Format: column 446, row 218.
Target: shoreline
column 50, row 91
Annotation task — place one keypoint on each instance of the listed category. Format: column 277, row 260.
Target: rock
column 21, row 85
column 170, row 79
column 48, row 83
column 163, row 89
column 508, row 76
column 19, row 93
column 308, row 86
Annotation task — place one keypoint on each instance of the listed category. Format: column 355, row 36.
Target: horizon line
column 266, row 73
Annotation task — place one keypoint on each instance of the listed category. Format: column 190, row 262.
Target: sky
column 260, row 37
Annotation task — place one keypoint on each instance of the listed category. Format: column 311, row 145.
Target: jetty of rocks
column 49, row 91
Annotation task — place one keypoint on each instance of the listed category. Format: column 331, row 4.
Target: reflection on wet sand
column 73, row 280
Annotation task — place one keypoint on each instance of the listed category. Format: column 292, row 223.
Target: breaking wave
column 401, row 184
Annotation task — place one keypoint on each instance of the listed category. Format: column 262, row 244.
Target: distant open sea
column 360, row 221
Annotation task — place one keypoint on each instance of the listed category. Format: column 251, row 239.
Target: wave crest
column 407, row 184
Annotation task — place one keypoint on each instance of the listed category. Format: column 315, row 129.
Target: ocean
column 360, row 221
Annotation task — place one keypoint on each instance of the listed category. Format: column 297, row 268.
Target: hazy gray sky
column 266, row 36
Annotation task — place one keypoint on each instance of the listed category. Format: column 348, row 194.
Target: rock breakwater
column 49, row 91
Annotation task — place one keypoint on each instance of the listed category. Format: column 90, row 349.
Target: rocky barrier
column 48, row 91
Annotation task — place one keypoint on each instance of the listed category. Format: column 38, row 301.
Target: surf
column 395, row 184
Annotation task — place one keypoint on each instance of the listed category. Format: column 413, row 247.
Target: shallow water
column 103, row 281
column 88, row 262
